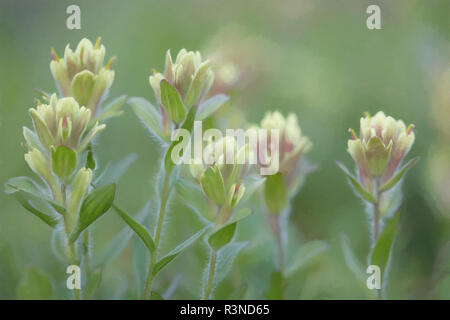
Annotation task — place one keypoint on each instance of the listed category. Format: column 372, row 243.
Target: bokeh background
column 314, row 58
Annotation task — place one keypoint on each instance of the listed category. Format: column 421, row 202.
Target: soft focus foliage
column 315, row 59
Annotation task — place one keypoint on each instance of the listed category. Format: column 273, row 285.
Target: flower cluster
column 184, row 84
column 221, row 173
column 62, row 122
column 82, row 75
column 380, row 149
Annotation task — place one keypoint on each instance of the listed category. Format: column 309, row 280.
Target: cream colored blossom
column 382, row 145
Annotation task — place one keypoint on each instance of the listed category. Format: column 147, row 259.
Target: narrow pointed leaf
column 52, row 222
column 93, row 207
column 207, row 108
column 31, row 188
column 175, row 252
column 359, row 189
column 352, row 262
column 113, row 172
column 139, row 229
column 382, row 249
column 120, row 241
column 192, row 195
column 171, row 100
column 149, row 115
column 399, row 175
column 112, row 109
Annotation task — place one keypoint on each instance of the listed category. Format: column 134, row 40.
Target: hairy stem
column 376, row 226
column 274, row 223
column 159, row 225
column 211, row 272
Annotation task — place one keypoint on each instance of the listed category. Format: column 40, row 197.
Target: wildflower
column 221, row 173
column 82, row 75
column 381, row 147
column 289, row 146
column 189, row 75
column 62, row 122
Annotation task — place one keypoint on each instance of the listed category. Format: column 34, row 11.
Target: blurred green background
column 314, row 58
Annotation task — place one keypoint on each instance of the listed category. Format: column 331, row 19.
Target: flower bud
column 63, row 122
column 212, row 185
column 189, row 75
column 80, row 187
column 81, row 74
column 235, row 194
column 379, row 150
column 286, row 147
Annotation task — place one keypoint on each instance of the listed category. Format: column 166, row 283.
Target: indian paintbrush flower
column 380, row 149
column 82, row 75
column 62, row 122
column 287, row 147
column 186, row 82
column 221, row 173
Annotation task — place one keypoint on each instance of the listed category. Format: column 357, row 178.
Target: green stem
column 72, row 255
column 73, row 261
column 376, row 227
column 274, row 222
column 159, row 225
column 211, row 272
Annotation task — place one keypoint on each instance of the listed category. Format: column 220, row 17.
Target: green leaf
column 304, row 255
column 275, row 193
column 207, row 108
column 141, row 259
column 192, row 195
column 52, row 222
column 90, row 159
column 120, row 241
column 352, row 262
column 196, row 85
column 172, row 103
column 359, row 189
column 187, row 125
column 395, row 179
column 225, row 258
column 382, row 249
column 224, row 235
column 175, row 252
column 113, row 172
column 82, row 87
column 31, row 188
column 149, row 115
column 213, row 185
column 93, row 207
column 155, row 296
column 64, row 161
column 112, row 109
column 276, row 287
column 35, row 285
column 139, row 229
column 93, row 282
